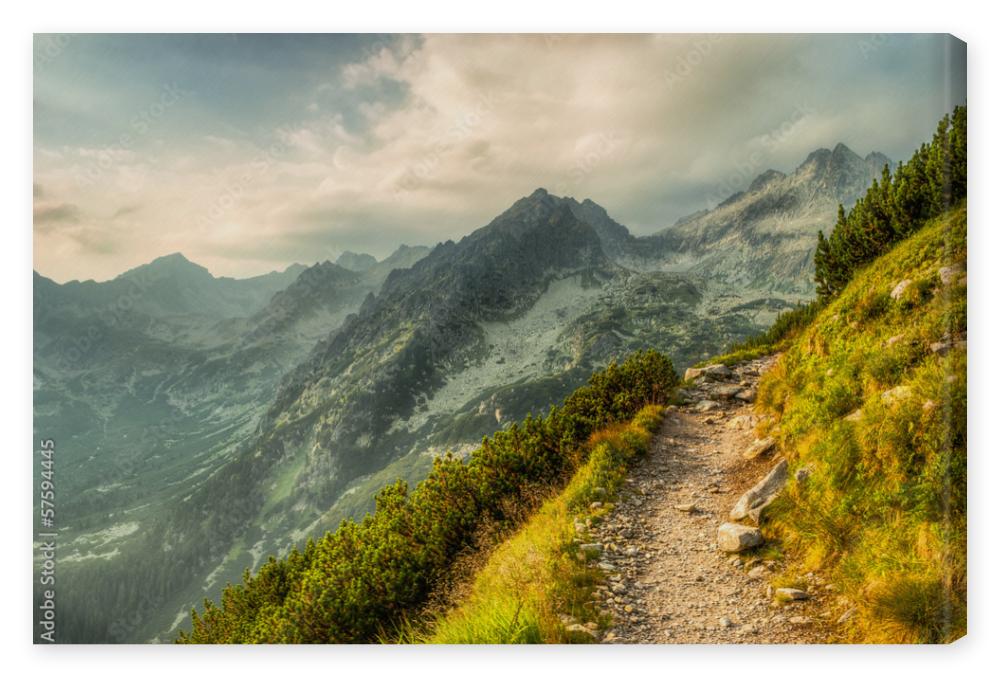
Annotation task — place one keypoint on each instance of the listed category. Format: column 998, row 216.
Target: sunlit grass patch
column 540, row 575
column 871, row 398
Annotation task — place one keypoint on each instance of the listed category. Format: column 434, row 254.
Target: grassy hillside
column 870, row 400
column 541, row 572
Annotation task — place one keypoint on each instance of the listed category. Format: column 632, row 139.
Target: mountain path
column 668, row 581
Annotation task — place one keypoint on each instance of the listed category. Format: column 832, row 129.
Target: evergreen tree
column 896, row 204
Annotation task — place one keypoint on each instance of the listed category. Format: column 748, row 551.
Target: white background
column 969, row 659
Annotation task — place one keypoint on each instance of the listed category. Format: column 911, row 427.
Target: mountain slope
column 354, row 261
column 764, row 237
column 155, row 393
column 424, row 324
column 870, row 402
column 503, row 323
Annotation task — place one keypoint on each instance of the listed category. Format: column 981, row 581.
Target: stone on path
column 724, row 391
column 706, row 405
column 734, row 537
column 753, row 501
column 685, row 506
column 577, row 629
column 715, row 371
column 790, row 593
column 759, row 448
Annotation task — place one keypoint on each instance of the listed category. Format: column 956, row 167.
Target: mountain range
column 210, row 422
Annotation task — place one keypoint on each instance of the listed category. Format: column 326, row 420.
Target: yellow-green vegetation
column 870, row 400
column 366, row 580
column 541, row 573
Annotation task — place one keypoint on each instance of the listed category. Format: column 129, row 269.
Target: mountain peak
column 174, row 265
column 765, row 179
column 355, row 261
column 172, row 258
column 818, row 155
column 825, row 161
column 877, row 159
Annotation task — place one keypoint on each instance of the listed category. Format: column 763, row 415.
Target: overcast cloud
column 249, row 153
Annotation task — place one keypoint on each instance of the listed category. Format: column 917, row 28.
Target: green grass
column 882, row 513
column 540, row 572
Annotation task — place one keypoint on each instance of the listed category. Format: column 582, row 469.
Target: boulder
column 577, row 630
column 896, row 394
column 706, row 405
column 724, row 391
column 900, row 288
column 740, row 422
column 941, row 347
column 753, row 501
column 747, row 395
column 759, row 448
column 950, row 274
column 790, row 594
column 713, row 371
column 734, row 537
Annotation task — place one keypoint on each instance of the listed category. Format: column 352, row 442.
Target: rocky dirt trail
column 671, row 579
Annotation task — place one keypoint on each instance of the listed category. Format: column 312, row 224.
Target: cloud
column 50, row 216
column 422, row 139
column 125, row 211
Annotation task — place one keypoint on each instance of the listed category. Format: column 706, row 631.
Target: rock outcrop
column 754, row 500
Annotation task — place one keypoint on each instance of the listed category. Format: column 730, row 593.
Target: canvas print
column 594, row 339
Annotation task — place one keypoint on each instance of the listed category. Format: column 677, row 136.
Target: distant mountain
column 354, row 261
column 154, row 378
column 763, row 237
column 422, row 327
column 167, row 286
column 403, row 257
column 323, row 287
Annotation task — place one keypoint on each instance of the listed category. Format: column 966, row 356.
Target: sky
column 251, row 152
